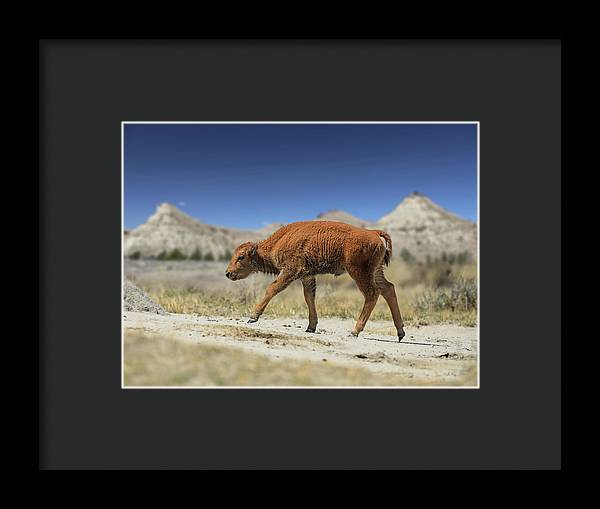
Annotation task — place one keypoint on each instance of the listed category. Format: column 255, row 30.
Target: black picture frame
column 87, row 87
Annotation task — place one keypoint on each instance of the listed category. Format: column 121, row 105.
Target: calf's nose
column 227, row 273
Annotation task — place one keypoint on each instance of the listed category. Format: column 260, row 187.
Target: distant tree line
column 445, row 258
column 177, row 254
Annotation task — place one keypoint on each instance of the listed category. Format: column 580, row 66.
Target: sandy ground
column 440, row 355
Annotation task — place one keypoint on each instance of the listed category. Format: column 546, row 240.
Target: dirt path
column 442, row 355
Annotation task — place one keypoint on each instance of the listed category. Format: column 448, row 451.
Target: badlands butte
column 420, row 229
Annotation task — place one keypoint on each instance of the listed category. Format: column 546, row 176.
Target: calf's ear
column 252, row 250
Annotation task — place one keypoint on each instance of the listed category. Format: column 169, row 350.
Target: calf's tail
column 388, row 246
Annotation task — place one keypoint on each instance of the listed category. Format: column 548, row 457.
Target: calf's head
column 240, row 265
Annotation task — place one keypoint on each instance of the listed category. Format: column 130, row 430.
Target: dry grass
column 422, row 295
column 152, row 360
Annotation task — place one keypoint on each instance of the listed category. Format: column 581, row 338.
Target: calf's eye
column 240, row 258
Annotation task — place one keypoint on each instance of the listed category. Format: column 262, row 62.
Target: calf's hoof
column 252, row 320
column 311, row 329
column 401, row 334
column 354, row 334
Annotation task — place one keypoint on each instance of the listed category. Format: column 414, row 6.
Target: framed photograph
column 257, row 254
column 292, row 210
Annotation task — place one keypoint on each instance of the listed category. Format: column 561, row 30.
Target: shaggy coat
column 305, row 249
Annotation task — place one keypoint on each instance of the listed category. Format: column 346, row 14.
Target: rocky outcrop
column 169, row 228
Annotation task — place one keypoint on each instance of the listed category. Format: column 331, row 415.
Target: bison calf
column 303, row 250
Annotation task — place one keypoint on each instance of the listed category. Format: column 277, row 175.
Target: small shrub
column 209, row 257
column 162, row 255
column 196, row 255
column 441, row 275
column 135, row 256
column 226, row 256
column 460, row 296
column 176, row 254
column 407, row 256
column 463, row 258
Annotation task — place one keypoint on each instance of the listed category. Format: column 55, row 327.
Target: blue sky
column 249, row 175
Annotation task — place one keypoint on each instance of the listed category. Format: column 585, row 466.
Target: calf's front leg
column 280, row 284
column 309, row 285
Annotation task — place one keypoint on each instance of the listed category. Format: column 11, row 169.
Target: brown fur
column 305, row 249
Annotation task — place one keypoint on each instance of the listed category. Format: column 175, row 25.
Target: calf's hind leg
column 389, row 294
column 309, row 285
column 365, row 283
